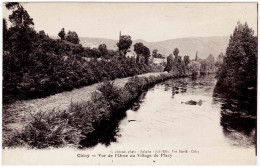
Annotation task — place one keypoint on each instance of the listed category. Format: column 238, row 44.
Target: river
column 161, row 115
column 162, row 119
column 162, row 123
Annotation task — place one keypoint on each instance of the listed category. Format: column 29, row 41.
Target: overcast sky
column 147, row 21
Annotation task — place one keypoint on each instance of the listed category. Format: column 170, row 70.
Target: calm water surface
column 162, row 114
column 162, row 119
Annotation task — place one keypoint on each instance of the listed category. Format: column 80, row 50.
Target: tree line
column 35, row 65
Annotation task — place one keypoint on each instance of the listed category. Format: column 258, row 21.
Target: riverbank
column 88, row 106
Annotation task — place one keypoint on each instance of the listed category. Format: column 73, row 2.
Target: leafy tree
column 103, row 49
column 146, row 54
column 77, row 49
column 142, row 50
column 219, row 60
column 186, row 60
column 72, row 37
column 4, row 28
column 169, row 64
column 177, row 63
column 220, row 57
column 96, row 53
column 62, row 34
column 124, row 43
column 112, row 54
column 159, row 55
column 19, row 17
column 21, row 32
column 211, row 63
column 154, row 53
column 42, row 34
column 204, row 67
column 176, row 52
column 194, row 68
column 138, row 48
column 5, row 35
column 238, row 72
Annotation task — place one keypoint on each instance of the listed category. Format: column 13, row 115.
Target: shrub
column 45, row 130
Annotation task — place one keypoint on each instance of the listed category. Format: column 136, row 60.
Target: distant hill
column 186, row 46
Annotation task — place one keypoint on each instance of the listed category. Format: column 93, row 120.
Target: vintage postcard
column 129, row 83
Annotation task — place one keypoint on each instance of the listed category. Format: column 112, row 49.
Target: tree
column 219, row 60
column 111, row 54
column 95, row 53
column 19, row 17
column 103, row 49
column 146, row 54
column 186, row 60
column 5, row 35
column 21, row 32
column 176, row 52
column 194, row 68
column 204, row 67
column 42, row 34
column 169, row 64
column 211, row 63
column 77, row 49
column 138, row 48
column 4, row 28
column 238, row 72
column 61, row 34
column 72, row 37
column 143, row 51
column 177, row 63
column 159, row 55
column 124, row 43
column 196, row 58
column 154, row 53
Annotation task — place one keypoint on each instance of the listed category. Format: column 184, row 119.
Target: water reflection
column 237, row 118
column 178, row 86
column 105, row 132
column 137, row 104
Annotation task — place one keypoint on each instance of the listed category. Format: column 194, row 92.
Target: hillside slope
column 187, row 46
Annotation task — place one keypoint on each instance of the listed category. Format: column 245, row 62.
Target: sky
column 148, row 21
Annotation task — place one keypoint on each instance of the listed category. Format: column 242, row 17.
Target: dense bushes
column 52, row 74
column 69, row 127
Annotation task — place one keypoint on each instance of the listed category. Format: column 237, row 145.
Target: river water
column 163, row 119
column 209, row 130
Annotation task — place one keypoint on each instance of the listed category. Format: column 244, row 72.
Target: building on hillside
column 159, row 61
column 89, row 44
column 130, row 54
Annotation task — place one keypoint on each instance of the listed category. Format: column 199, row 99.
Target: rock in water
column 192, row 102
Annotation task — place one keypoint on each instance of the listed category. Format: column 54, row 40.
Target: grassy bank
column 71, row 126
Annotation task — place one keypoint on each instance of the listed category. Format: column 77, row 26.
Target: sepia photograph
column 129, row 83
